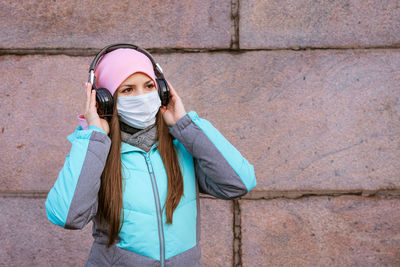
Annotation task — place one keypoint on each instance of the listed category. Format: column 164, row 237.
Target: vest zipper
column 158, row 209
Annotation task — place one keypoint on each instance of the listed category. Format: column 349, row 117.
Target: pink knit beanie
column 115, row 66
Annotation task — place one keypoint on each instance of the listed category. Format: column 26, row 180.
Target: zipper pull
column 148, row 163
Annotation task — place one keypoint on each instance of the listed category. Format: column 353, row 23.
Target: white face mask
column 139, row 111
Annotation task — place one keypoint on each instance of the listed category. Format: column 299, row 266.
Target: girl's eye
column 150, row 85
column 126, row 90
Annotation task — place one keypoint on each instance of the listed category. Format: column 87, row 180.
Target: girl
column 137, row 175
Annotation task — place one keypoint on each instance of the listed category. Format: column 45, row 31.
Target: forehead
column 137, row 77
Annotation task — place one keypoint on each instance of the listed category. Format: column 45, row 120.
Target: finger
column 173, row 93
column 163, row 109
column 93, row 100
column 88, row 89
column 171, row 88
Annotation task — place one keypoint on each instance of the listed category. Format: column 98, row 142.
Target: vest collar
column 125, row 148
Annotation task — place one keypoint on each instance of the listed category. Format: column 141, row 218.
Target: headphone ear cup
column 163, row 91
column 105, row 102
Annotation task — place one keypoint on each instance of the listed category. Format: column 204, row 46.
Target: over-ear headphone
column 105, row 102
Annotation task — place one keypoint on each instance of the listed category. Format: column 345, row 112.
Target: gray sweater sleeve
column 220, row 168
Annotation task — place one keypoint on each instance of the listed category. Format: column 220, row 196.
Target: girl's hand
column 174, row 110
column 91, row 115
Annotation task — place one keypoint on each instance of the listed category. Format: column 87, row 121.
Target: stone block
column 94, row 24
column 29, row 239
column 307, row 23
column 321, row 231
column 40, row 100
column 216, row 236
column 306, row 120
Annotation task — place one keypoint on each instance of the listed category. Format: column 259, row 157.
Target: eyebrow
column 134, row 84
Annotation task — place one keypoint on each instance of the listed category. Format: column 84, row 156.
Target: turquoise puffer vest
column 209, row 164
column 145, row 190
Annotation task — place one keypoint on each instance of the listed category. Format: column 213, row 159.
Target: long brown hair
column 110, row 193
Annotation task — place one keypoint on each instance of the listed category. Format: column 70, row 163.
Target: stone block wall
column 307, row 90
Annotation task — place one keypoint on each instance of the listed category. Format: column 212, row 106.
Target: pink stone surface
column 308, row 23
column 88, row 24
column 40, row 99
column 321, row 231
column 29, row 239
column 309, row 120
column 216, row 237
